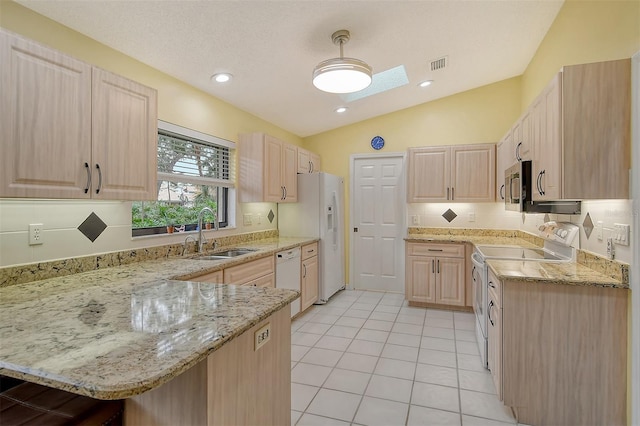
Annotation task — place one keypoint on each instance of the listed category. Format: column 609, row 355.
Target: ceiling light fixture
column 425, row 83
column 340, row 110
column 222, row 77
column 342, row 75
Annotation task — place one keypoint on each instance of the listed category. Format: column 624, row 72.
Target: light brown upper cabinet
column 582, row 133
column 70, row 130
column 268, row 169
column 308, row 162
column 457, row 173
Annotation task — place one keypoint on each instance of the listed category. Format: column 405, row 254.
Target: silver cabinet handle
column 438, row 265
column 304, row 268
column 285, row 192
column 489, row 313
column 86, row 189
column 502, row 192
column 99, row 178
column 310, row 167
column 544, row 172
column 452, row 196
column 282, row 190
column 433, row 266
column 518, row 151
column 447, row 193
column 491, row 284
column 435, row 250
column 473, row 274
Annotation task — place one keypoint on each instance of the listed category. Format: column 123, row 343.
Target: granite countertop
column 570, row 273
column 118, row 332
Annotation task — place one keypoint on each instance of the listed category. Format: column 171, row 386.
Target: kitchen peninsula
column 178, row 351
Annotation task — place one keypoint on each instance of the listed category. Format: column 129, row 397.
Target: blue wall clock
column 377, row 142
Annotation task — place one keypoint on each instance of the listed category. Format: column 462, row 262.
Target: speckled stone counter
column 117, row 332
column 589, row 270
column 570, row 273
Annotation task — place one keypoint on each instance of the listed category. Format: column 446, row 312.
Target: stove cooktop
column 515, row 252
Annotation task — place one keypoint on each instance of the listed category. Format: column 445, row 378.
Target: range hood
column 558, row 207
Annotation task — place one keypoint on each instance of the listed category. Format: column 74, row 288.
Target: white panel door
column 378, row 222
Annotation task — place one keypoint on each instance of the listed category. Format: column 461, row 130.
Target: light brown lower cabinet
column 558, row 353
column 258, row 273
column 435, row 273
column 235, row 385
column 309, row 276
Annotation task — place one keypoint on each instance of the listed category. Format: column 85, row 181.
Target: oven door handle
column 477, row 260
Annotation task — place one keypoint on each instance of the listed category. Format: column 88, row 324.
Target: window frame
column 225, row 196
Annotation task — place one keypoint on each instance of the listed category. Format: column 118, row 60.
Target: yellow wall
column 584, row 31
column 481, row 115
column 178, row 102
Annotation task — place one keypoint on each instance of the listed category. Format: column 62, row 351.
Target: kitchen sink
column 227, row 254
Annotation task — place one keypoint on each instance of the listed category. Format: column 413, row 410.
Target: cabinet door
column 450, row 281
column 304, row 161
column 272, row 163
column 547, row 170
column 309, row 285
column 290, row 172
column 521, row 135
column 315, row 162
column 494, row 336
column 428, row 174
column 45, row 121
column 124, row 138
column 420, row 279
column 473, row 173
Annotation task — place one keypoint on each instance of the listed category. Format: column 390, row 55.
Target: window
column 195, row 170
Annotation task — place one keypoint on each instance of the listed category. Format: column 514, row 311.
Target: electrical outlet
column 415, row 220
column 35, row 234
column 472, row 216
column 258, row 218
column 262, row 336
column 246, row 219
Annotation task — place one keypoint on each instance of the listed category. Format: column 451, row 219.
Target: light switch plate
column 621, row 233
column 599, row 227
column 246, row 219
column 472, row 216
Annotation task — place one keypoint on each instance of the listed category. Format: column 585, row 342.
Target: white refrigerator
column 319, row 213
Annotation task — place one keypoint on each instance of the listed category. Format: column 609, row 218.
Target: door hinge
column 355, row 229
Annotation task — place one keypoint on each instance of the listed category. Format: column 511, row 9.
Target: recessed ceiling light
column 340, row 110
column 222, row 77
column 425, row 83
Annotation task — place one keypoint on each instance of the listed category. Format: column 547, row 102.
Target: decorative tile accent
column 270, row 216
column 587, row 225
column 92, row 227
column 449, row 215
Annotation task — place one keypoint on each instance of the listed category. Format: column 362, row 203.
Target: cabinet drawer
column 266, row 281
column 440, row 250
column 309, row 250
column 249, row 271
column 213, row 277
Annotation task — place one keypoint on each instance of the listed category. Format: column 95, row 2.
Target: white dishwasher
column 288, row 274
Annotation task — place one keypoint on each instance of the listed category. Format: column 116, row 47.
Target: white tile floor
column 366, row 358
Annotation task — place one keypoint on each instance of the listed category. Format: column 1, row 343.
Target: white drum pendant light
column 341, row 75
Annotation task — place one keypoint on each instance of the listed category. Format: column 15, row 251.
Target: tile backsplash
column 494, row 216
column 61, row 238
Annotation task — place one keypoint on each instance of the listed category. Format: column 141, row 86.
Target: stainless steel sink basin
column 228, row 254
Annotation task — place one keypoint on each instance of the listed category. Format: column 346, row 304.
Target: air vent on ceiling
column 440, row 63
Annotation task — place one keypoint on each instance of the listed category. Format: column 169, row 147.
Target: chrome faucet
column 215, row 225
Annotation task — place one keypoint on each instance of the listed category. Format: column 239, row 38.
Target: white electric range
column 560, row 245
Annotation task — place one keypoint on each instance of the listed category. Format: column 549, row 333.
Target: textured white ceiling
column 271, row 47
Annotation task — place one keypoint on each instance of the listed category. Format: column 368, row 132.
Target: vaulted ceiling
column 271, row 47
